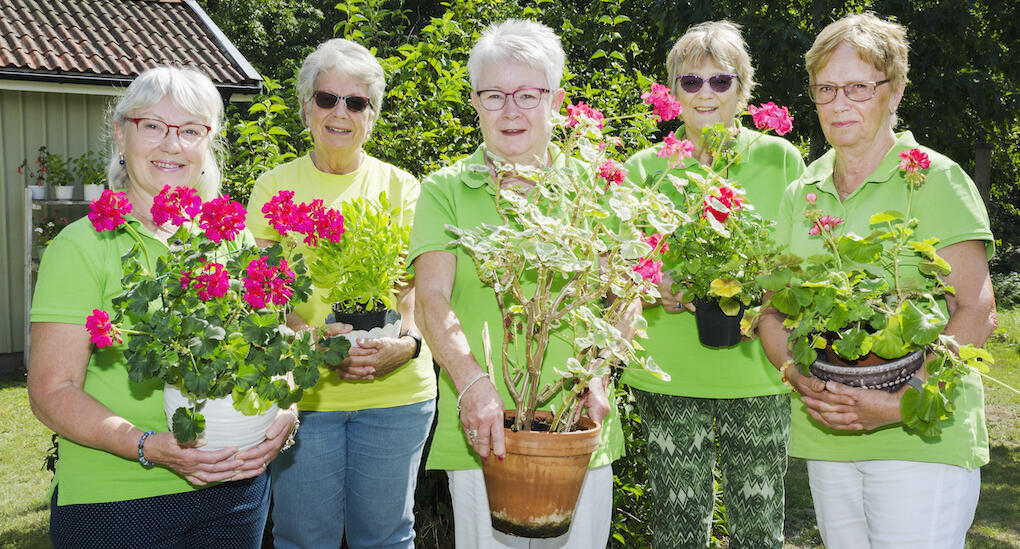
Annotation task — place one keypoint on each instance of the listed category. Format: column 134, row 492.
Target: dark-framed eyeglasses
column 692, row 83
column 822, row 94
column 353, row 103
column 524, row 98
column 153, row 130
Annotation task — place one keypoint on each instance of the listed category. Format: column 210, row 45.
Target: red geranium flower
column 650, row 270
column 107, row 212
column 178, row 205
column 914, row 160
column 726, row 198
column 212, row 282
column 771, row 117
column 267, row 284
column 222, row 218
column 101, row 331
column 663, row 104
column 612, row 172
column 579, row 112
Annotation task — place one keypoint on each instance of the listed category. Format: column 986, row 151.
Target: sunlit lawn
column 24, row 441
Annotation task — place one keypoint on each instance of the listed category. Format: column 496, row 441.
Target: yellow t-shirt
column 413, row 382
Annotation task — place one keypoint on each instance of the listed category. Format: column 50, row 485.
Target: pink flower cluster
column 222, row 218
column 654, row 241
column 107, row 212
column 579, row 112
column 825, row 223
column 771, row 117
column 811, row 198
column 612, row 172
column 312, row 220
column 101, row 331
column 651, row 269
column 726, row 197
column 914, row 160
column 267, row 284
column 212, row 282
column 663, row 104
column 177, row 205
column 675, row 149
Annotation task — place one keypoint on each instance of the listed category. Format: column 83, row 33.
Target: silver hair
column 519, row 41
column 192, row 91
column 349, row 59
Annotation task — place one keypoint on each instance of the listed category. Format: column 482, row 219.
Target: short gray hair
column 189, row 89
column 519, row 41
column 721, row 42
column 349, row 59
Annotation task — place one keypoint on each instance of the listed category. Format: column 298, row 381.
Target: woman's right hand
column 199, row 467
column 672, row 302
column 481, row 416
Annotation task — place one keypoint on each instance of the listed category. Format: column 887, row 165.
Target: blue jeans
column 353, row 471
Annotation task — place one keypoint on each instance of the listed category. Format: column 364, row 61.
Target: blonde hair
column 721, row 42
column 190, row 90
column 878, row 42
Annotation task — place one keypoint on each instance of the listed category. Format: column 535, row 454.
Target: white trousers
column 588, row 530
column 893, row 504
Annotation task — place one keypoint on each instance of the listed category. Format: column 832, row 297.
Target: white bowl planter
column 63, row 192
column 37, row 192
column 225, row 426
column 92, row 192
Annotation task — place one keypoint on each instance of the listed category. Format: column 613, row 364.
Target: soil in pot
column 533, row 491
column 716, row 328
column 360, row 318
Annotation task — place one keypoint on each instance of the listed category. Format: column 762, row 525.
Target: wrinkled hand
column 672, row 302
column 257, row 458
column 481, row 411
column 596, row 400
column 373, row 358
column 198, row 467
column 860, row 409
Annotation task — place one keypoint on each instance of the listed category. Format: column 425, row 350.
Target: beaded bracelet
column 468, row 386
column 293, row 431
column 141, row 445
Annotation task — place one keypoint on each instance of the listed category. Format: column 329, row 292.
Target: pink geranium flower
column 328, row 225
column 770, row 116
column 177, row 205
column 675, row 149
column 583, row 113
column 663, row 104
column 222, row 219
column 212, row 282
column 914, row 160
column 612, row 172
column 267, row 284
column 655, row 239
column 811, row 198
column 726, row 197
column 107, row 212
column 650, row 270
column 101, row 331
column 825, row 223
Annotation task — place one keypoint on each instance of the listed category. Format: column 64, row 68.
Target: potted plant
column 716, row 257
column 89, row 169
column 35, row 178
column 856, row 318
column 47, row 230
column 58, row 174
column 572, row 251
column 208, row 319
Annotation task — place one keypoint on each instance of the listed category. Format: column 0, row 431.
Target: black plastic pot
column 366, row 320
column 716, row 328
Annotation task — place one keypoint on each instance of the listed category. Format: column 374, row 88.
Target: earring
column 121, row 161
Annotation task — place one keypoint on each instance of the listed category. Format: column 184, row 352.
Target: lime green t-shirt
column 765, row 169
column 462, row 197
column 413, row 382
column 81, row 271
column 948, row 207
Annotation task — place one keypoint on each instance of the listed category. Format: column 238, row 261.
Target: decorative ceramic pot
column 716, row 328
column 870, row 372
column 63, row 192
column 533, row 491
column 225, row 426
column 92, row 192
column 370, row 325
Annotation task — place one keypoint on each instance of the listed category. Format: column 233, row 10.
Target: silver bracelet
column 468, row 386
column 293, row 431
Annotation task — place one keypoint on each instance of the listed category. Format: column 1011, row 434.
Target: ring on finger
column 472, row 435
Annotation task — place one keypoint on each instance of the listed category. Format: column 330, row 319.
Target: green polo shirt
column 413, row 382
column 948, row 207
column 765, row 169
column 81, row 271
column 460, row 196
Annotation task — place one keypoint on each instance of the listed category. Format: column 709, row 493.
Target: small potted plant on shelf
column 35, row 176
column 208, row 319
column 857, row 318
column 571, row 251
column 89, row 169
column 47, row 230
column 716, row 257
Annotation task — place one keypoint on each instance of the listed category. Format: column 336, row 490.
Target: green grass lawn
column 24, row 441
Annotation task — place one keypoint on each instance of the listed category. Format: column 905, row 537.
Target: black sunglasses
column 354, row 103
column 692, row 83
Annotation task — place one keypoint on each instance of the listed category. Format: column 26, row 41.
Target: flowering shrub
column 726, row 244
column 49, row 167
column 209, row 317
column 49, row 228
column 857, row 300
column 579, row 235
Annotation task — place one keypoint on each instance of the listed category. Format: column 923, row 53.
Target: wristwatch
column 417, row 341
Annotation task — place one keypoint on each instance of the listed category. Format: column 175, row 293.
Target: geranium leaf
column 187, row 424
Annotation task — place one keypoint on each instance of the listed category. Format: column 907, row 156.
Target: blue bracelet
column 141, row 445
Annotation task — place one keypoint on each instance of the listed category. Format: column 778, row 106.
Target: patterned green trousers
column 685, row 437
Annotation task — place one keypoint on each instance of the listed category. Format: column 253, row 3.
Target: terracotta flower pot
column 716, row 328
column 533, row 490
column 869, row 372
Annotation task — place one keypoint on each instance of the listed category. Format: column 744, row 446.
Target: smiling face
column 512, row 133
column 338, row 133
column 857, row 124
column 152, row 164
column 706, row 106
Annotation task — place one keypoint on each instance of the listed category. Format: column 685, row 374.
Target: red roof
column 112, row 41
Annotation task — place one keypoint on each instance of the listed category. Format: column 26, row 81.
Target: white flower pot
column 225, row 426
column 390, row 329
column 63, row 192
column 37, row 192
column 92, row 192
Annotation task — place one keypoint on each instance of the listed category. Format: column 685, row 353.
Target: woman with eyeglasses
column 515, row 70
column 731, row 394
column 354, row 465
column 121, row 479
column 875, row 484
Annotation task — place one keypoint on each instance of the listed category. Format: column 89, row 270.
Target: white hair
column 519, row 41
column 349, row 59
column 192, row 91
